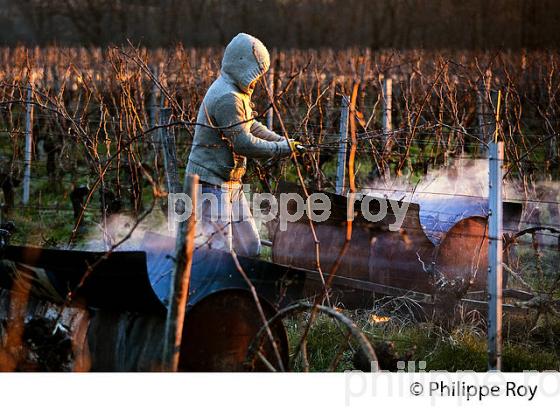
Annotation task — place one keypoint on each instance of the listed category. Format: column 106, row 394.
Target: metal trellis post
column 495, row 257
column 342, row 148
column 28, row 144
column 270, row 113
column 387, row 106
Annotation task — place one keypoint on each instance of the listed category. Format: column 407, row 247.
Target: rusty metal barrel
column 444, row 237
column 376, row 253
column 122, row 303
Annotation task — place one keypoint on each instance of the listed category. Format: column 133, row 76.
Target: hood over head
column 245, row 60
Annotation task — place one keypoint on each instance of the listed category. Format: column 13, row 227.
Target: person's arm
column 262, row 132
column 230, row 116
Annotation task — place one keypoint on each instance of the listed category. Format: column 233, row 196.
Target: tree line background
column 477, row 24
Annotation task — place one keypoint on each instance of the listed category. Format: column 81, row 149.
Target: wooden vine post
column 180, row 280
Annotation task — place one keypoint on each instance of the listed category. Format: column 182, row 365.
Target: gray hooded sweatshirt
column 220, row 155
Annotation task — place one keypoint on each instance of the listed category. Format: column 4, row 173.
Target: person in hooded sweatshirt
column 225, row 136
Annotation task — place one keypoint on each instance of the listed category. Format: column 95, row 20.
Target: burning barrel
column 436, row 239
column 121, row 301
column 376, row 253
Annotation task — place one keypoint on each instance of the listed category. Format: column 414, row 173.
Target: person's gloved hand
column 297, row 147
column 287, row 147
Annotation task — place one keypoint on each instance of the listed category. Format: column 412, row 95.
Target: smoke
column 449, row 194
column 121, row 227
column 464, row 177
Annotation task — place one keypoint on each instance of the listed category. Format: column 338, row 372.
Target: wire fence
column 96, row 113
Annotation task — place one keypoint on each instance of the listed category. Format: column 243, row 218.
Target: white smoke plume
column 118, row 227
column 451, row 193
